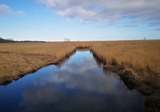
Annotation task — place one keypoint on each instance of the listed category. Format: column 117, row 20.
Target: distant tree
column 66, row 39
column 2, row 40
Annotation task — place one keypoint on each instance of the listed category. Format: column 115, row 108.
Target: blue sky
column 84, row 20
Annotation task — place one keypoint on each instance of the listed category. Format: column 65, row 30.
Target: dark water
column 79, row 85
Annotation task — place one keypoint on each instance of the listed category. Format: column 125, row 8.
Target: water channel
column 79, row 85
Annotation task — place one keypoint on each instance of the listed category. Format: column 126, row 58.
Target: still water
column 78, row 85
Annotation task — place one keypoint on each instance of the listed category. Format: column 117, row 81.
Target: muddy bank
column 148, row 86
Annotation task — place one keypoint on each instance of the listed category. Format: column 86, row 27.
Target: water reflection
column 80, row 85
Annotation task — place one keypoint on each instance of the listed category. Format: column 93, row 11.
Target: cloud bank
column 110, row 11
column 6, row 10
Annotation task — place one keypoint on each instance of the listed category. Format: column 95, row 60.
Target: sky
column 80, row 20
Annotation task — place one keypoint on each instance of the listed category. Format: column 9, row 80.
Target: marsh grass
column 140, row 57
column 137, row 62
column 17, row 59
column 143, row 55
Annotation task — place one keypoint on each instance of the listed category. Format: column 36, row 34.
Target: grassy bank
column 17, row 59
column 138, row 64
column 138, row 54
column 140, row 58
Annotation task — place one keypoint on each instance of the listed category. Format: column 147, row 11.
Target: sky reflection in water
column 80, row 85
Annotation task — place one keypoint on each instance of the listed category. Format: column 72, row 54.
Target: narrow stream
column 78, row 85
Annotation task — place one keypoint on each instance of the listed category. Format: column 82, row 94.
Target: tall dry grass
column 20, row 58
column 138, row 64
column 140, row 55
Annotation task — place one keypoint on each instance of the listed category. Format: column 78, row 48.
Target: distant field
column 141, row 57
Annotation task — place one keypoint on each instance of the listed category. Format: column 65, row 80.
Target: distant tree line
column 9, row 40
column 2, row 40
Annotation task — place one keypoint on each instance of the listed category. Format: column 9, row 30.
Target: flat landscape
column 139, row 57
column 137, row 62
column 79, row 56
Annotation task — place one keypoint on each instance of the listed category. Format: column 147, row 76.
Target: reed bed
column 137, row 62
column 141, row 57
column 17, row 59
column 138, row 55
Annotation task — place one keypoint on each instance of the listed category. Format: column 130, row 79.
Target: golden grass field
column 17, row 59
column 136, row 61
column 140, row 58
column 20, row 58
column 136, row 54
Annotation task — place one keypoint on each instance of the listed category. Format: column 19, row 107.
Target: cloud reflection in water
column 81, row 87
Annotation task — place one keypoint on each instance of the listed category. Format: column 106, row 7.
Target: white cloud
column 111, row 11
column 6, row 10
